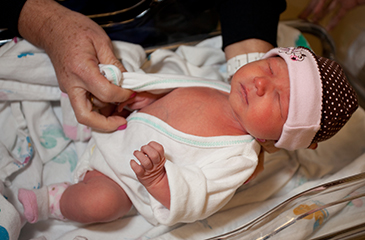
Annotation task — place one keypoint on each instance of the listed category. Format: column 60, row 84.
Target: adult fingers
column 100, row 87
column 85, row 115
column 110, row 93
column 97, row 104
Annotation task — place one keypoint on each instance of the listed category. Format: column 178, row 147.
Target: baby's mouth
column 244, row 93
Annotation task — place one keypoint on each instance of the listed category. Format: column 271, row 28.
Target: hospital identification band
column 238, row 61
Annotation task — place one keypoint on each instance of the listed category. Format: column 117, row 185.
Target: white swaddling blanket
column 199, row 169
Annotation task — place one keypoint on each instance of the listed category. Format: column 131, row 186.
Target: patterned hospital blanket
column 40, row 144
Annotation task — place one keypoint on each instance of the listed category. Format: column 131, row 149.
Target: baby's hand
column 151, row 170
column 259, row 167
column 268, row 145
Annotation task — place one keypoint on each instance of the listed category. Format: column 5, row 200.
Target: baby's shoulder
column 198, row 92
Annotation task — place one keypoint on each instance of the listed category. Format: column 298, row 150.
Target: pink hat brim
column 305, row 104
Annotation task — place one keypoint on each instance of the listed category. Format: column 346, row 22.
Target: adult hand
column 316, row 10
column 75, row 45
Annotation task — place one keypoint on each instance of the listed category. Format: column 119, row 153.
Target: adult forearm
column 75, row 45
column 40, row 21
column 247, row 46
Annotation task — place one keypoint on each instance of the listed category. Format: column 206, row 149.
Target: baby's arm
column 140, row 100
column 151, row 172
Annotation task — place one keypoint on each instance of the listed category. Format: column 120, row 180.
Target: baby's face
column 260, row 97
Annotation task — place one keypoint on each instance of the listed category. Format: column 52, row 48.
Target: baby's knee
column 107, row 204
column 100, row 203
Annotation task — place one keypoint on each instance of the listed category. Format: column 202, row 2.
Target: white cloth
column 9, row 219
column 203, row 172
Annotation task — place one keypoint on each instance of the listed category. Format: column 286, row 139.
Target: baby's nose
column 261, row 85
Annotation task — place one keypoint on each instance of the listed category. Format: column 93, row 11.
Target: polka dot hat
column 321, row 98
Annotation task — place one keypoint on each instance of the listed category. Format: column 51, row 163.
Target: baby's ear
column 313, row 146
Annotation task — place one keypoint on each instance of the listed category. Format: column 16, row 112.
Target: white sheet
column 31, row 126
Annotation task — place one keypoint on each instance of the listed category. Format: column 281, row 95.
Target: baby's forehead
column 277, row 58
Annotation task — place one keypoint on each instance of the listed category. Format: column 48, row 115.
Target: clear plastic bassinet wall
column 349, row 39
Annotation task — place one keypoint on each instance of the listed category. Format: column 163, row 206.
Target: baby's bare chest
column 195, row 111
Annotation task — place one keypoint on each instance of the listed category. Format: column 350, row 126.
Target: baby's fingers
column 145, row 161
column 157, row 151
column 153, row 151
column 137, row 169
column 268, row 145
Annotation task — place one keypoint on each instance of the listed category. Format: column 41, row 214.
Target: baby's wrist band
column 238, row 61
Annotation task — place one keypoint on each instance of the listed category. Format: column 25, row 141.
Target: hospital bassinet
column 300, row 195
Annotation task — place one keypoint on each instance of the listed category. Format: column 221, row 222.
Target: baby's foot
column 30, row 204
column 41, row 204
column 151, row 170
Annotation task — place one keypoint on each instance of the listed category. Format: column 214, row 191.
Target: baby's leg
column 152, row 173
column 96, row 199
